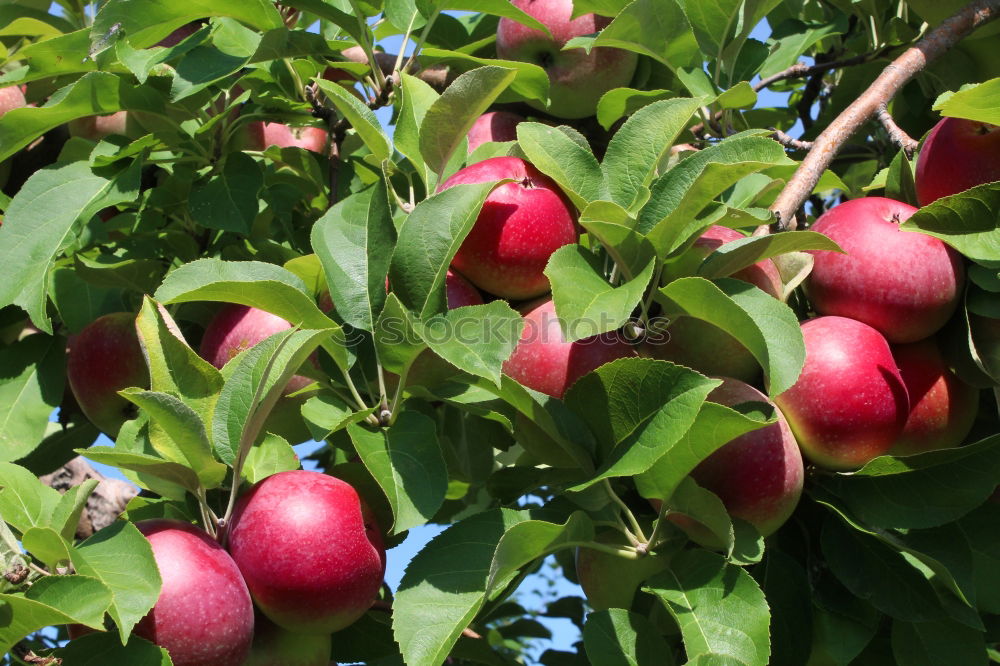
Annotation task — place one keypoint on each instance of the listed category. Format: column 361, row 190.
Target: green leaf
column 531, row 82
column 25, row 501
column 984, row 543
column 967, row 221
column 444, row 586
column 740, row 96
column 927, row 643
column 980, row 102
column 617, row 637
column 47, row 545
column 52, row 600
column 145, row 463
column 229, row 199
column 718, row 606
column 32, row 379
column 621, row 102
column 792, row 38
column 406, row 461
column 78, row 302
column 638, row 147
column 271, row 456
column 900, row 183
column 562, row 159
column 585, row 302
column 789, row 593
column 704, row 506
column 397, row 342
column 763, row 324
column 325, row 414
column 41, row 221
column 450, row 117
column 66, row 515
column 428, row 240
column 532, row 539
column 417, row 98
column 738, row 254
column 102, row 648
column 230, row 48
column 362, row 118
column 614, row 228
column 655, row 28
column 354, row 242
column 121, row 557
column 501, row 8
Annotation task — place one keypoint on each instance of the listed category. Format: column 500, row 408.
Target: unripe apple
column 577, row 79
column 494, row 126
column 610, row 581
column 956, row 155
column 849, row 405
column 545, row 362
column 203, row 616
column 942, row 406
column 310, row 553
column 519, row 227
column 275, row 646
column 904, row 283
column 11, row 97
column 262, row 134
column 102, row 359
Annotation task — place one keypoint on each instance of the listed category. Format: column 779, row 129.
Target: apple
column 545, row 362
column 11, row 97
column 610, row 581
column 942, row 406
column 204, row 615
column 758, row 475
column 577, row 80
column 905, row 284
column 309, row 550
column 494, row 126
column 459, row 292
column 102, row 359
column 956, row 155
column 850, row 404
column 275, row 646
column 263, row 134
column 96, row 128
column 519, row 227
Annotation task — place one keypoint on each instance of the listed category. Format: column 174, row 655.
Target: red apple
column 274, row 646
column 494, row 126
column 543, row 361
column 309, row 551
column 577, row 80
column 610, row 581
column 521, row 224
column 459, row 292
column 262, row 135
column 956, row 155
column 906, row 284
column 11, row 97
column 849, row 405
column 96, row 128
column 203, row 616
column 942, row 406
column 102, row 359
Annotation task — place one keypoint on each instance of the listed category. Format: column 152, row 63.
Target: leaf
column 617, row 637
column 47, row 545
column 637, row 148
column 742, row 252
column 397, row 343
column 145, row 463
column 362, row 118
column 767, row 327
column 407, row 463
column 325, row 414
column 656, row 28
column 531, row 82
column 984, row 542
column 25, row 501
column 967, row 221
column 52, row 600
column 784, row 582
column 614, row 228
column 41, row 221
column 585, row 302
column 99, row 649
column 927, row 643
column 32, row 379
column 980, row 102
column 121, row 557
column 620, row 102
column 444, row 586
column 740, row 96
column 718, row 606
column 354, row 242
column 900, row 184
column 146, row 23
column 66, row 515
column 450, row 117
column 417, row 98
column 229, row 199
column 274, row 454
column 704, row 506
column 501, row 8
column 554, row 153
column 533, row 539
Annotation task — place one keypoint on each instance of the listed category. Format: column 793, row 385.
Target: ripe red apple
column 203, row 616
column 275, row 646
column 610, row 581
column 494, row 126
column 849, row 405
column 262, row 135
column 956, row 155
column 102, row 359
column 543, row 361
column 576, row 79
column 519, row 227
column 942, row 406
column 906, row 284
column 11, row 97
column 311, row 554
column 96, row 128
column 459, row 292
column 758, row 476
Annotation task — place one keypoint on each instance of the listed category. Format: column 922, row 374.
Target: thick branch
column 436, row 76
column 896, row 133
column 888, row 83
column 106, row 502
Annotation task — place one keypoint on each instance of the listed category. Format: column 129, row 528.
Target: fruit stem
column 636, row 529
column 208, row 518
column 627, row 552
column 420, row 40
column 617, row 525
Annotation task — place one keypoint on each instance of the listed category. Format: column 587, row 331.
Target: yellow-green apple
column 204, row 615
column 519, row 227
column 494, row 126
column 276, row 646
column 850, row 404
column 577, row 79
column 942, row 406
column 263, row 134
column 904, row 283
column 309, row 550
column 11, row 97
column 545, row 362
column 102, row 359
column 956, row 155
column 610, row 581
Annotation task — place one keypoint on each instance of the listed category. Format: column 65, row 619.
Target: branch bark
column 888, row 83
column 106, row 502
column 895, row 132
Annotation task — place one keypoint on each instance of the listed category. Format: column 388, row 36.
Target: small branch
column 896, row 133
column 437, row 76
column 104, row 505
column 801, row 69
column 789, row 141
column 888, row 83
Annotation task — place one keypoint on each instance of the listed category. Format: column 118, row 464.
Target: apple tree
column 695, row 304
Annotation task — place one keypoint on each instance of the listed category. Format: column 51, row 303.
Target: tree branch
column 104, row 505
column 789, row 141
column 800, row 69
column 437, row 76
column 896, row 133
column 888, row 83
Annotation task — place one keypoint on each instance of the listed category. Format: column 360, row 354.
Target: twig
column 106, row 502
column 888, row 83
column 789, row 141
column 896, row 133
column 437, row 76
column 801, row 69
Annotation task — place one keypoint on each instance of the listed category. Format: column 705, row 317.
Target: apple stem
column 627, row 552
column 618, row 525
column 629, row 516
